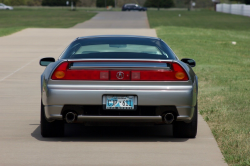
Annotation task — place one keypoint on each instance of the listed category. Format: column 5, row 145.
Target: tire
column 51, row 129
column 186, row 130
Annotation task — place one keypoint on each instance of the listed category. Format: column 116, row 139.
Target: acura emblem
column 120, row 75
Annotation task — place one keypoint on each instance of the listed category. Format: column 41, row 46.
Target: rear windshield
column 118, row 48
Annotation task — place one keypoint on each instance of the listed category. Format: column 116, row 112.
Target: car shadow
column 81, row 133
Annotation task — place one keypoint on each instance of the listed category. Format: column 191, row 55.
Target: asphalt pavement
column 20, row 139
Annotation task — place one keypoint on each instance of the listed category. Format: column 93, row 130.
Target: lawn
column 223, row 70
column 199, row 19
column 18, row 19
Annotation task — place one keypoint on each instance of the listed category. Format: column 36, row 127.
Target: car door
column 134, row 7
column 130, row 7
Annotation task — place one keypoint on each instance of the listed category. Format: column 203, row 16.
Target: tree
column 105, row 3
column 14, row 2
column 159, row 3
column 54, row 2
column 34, row 2
column 242, row 1
column 57, row 2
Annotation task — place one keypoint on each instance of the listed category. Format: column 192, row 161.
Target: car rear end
column 114, row 90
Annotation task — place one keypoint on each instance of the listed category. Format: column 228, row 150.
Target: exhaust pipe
column 168, row 118
column 70, row 117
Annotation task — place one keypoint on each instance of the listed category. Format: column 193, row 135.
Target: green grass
column 18, row 19
column 223, row 70
column 199, row 19
column 65, row 8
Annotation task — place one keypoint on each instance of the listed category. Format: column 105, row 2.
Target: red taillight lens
column 60, row 71
column 180, row 73
column 152, row 75
column 87, row 75
column 177, row 73
column 63, row 73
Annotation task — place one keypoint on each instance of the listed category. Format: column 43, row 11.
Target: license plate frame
column 122, row 98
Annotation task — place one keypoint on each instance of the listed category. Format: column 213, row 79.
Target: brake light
column 177, row 73
column 63, row 73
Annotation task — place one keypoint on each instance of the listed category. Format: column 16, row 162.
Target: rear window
column 130, row 5
column 118, row 48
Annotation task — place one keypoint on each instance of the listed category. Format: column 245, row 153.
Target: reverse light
column 135, row 75
column 104, row 75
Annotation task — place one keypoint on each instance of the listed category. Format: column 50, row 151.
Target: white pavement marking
column 20, row 139
column 15, row 71
column 58, row 49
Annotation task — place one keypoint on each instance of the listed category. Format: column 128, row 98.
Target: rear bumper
column 183, row 99
column 54, row 112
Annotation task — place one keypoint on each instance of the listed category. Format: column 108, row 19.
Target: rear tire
column 186, row 130
column 51, row 129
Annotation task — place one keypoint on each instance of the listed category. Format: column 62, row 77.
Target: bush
column 159, row 3
column 58, row 2
column 14, row 2
column 247, row 2
column 34, row 2
column 101, row 3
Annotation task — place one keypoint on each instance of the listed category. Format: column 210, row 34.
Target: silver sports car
column 118, row 79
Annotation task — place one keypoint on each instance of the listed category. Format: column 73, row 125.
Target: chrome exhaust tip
column 168, row 118
column 70, row 117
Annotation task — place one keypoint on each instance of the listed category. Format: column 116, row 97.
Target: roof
column 128, row 36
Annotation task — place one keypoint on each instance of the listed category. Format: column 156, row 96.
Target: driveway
column 20, row 139
column 115, row 19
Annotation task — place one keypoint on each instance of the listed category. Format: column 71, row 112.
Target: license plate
column 120, row 102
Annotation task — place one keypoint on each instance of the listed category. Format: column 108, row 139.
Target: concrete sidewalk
column 118, row 20
column 20, row 139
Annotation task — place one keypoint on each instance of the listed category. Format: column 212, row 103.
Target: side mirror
column 188, row 61
column 46, row 61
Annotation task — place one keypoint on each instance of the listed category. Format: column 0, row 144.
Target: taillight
column 180, row 73
column 151, row 75
column 177, row 73
column 60, row 71
column 63, row 73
